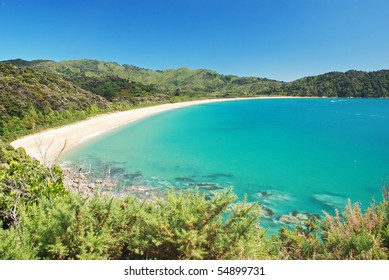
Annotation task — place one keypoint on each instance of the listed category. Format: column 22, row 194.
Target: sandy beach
column 48, row 145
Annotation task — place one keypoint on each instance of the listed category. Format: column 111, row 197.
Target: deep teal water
column 304, row 155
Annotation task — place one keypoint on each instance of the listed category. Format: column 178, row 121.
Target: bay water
column 302, row 155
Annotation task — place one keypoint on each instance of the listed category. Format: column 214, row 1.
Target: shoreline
column 48, row 145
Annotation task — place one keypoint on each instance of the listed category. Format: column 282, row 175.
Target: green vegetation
column 181, row 83
column 33, row 99
column 41, row 220
column 202, row 83
column 71, row 227
column 337, row 84
column 23, row 182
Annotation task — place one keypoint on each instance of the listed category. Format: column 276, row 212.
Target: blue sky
column 277, row 39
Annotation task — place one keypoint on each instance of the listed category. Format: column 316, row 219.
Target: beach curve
column 48, row 145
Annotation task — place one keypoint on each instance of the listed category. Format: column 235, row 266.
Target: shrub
column 354, row 234
column 357, row 235
column 68, row 227
column 23, row 181
column 187, row 226
column 182, row 226
column 14, row 246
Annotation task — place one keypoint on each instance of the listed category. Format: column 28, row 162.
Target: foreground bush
column 182, row 226
column 354, row 234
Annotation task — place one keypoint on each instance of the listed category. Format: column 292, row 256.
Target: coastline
column 48, row 145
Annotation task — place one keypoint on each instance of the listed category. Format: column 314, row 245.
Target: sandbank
column 48, row 145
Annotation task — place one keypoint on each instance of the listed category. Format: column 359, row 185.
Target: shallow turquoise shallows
column 304, row 155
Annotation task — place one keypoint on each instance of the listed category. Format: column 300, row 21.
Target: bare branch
column 60, row 152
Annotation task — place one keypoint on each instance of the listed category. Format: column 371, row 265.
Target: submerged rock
column 264, row 194
column 267, row 212
column 302, row 217
column 289, row 219
column 296, row 218
column 132, row 176
column 209, row 186
column 330, row 200
column 273, row 195
column 184, row 179
column 219, row 175
column 142, row 192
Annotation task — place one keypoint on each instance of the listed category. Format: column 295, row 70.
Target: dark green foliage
column 114, row 88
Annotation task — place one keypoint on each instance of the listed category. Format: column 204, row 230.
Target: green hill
column 32, row 99
column 101, row 78
column 338, row 84
column 115, row 81
column 180, row 82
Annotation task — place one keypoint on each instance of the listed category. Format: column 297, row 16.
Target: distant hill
column 337, row 84
column 112, row 80
column 178, row 82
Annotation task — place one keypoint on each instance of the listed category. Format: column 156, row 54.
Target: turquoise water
column 304, row 155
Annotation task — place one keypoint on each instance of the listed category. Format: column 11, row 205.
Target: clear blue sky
column 278, row 39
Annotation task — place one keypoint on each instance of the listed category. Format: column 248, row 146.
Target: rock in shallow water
column 331, row 200
column 267, row 212
column 273, row 196
column 296, row 218
column 289, row 219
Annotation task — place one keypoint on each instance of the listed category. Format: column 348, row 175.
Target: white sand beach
column 48, row 145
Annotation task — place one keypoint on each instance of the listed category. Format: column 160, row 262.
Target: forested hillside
column 179, row 82
column 337, row 84
column 32, row 99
